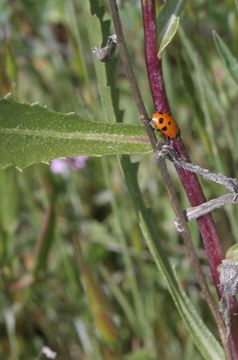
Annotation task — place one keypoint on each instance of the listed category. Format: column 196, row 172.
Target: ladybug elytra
column 165, row 123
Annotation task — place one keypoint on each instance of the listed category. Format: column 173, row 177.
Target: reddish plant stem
column 206, row 224
column 153, row 63
column 189, row 180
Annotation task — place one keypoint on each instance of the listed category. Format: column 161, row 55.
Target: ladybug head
column 157, row 119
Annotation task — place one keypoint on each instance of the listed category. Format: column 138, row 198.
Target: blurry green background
column 75, row 273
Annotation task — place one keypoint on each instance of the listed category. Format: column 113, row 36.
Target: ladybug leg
column 168, row 140
column 152, row 125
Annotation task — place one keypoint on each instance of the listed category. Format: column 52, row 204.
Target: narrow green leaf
column 230, row 61
column 98, row 302
column 31, row 134
column 9, row 195
column 202, row 337
column 45, row 239
column 171, row 29
column 199, row 75
column 98, row 27
column 168, row 22
column 8, row 209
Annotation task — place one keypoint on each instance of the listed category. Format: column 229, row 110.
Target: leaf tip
column 169, row 33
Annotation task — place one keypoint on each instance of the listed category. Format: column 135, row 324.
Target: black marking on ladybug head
column 164, row 128
column 161, row 120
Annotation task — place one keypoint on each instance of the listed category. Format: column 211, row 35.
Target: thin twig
column 195, row 261
column 129, row 72
column 195, row 212
column 205, row 208
column 167, row 180
column 230, row 183
column 209, row 206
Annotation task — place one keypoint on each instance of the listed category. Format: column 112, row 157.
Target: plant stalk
column 189, row 180
column 163, row 170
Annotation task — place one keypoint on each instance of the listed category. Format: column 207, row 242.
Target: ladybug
column 165, row 123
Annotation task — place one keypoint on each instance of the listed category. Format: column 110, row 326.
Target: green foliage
column 168, row 22
column 31, row 134
column 8, row 213
column 91, row 264
column 226, row 55
column 202, row 337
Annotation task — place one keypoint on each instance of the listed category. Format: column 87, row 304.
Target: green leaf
column 31, row 134
column 8, row 209
column 8, row 214
column 202, row 337
column 45, row 239
column 203, row 89
column 226, row 55
column 93, row 15
column 168, row 22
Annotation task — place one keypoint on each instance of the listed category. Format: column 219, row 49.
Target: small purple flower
column 64, row 166
column 59, row 166
column 78, row 162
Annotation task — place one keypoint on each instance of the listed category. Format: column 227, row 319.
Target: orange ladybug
column 165, row 123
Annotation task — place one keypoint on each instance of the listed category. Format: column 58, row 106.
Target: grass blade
column 227, row 56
